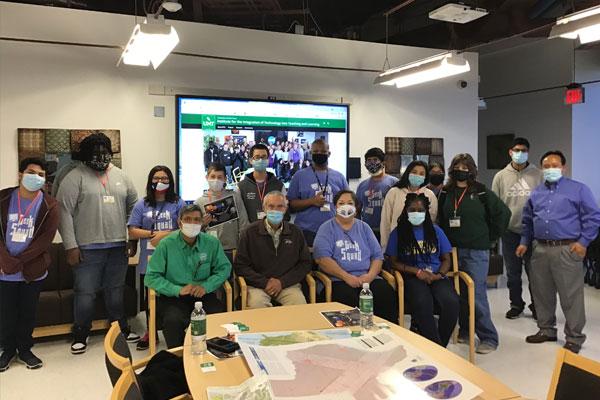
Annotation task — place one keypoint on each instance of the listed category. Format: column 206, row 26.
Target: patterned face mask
column 374, row 167
column 99, row 161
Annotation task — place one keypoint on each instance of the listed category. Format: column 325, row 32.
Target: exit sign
column 575, row 94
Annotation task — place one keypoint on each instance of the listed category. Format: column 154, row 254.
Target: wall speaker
column 354, row 168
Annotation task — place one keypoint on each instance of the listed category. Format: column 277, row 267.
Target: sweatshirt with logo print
column 514, row 187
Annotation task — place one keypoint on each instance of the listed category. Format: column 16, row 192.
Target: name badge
column 369, row 210
column 455, row 222
column 325, row 208
column 213, row 233
column 19, row 237
column 108, row 199
column 261, row 215
column 149, row 245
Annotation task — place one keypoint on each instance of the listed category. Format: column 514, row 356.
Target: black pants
column 174, row 313
column 384, row 298
column 425, row 299
column 18, row 303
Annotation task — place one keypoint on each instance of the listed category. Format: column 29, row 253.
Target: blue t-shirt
column 371, row 194
column 433, row 262
column 305, row 185
column 163, row 217
column 19, row 234
column 353, row 250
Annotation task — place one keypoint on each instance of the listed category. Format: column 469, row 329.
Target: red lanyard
column 28, row 209
column 103, row 179
column 261, row 195
column 457, row 203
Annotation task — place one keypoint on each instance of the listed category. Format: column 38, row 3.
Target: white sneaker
column 485, row 348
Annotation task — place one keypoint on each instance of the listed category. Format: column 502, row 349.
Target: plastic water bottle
column 365, row 304
column 198, row 325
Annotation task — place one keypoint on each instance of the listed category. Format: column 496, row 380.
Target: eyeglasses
column 164, row 179
column 260, row 158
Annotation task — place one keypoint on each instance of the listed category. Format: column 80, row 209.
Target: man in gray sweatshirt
column 96, row 199
column 513, row 185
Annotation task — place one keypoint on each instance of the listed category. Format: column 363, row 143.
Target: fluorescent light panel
column 150, row 43
column 584, row 25
column 427, row 70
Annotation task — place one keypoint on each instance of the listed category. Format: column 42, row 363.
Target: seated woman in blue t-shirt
column 346, row 249
column 421, row 252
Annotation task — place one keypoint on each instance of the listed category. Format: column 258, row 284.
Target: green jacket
column 175, row 264
column 483, row 217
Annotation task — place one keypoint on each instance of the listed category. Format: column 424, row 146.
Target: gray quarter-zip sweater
column 93, row 213
column 514, row 187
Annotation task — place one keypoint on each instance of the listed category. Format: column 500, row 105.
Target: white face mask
column 216, row 185
column 191, row 230
column 346, row 211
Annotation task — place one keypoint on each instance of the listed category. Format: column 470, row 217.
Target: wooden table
column 233, row 372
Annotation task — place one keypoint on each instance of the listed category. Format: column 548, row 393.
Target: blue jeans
column 476, row 264
column 514, row 268
column 99, row 269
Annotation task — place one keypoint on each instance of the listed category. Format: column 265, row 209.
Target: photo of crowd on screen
column 289, row 151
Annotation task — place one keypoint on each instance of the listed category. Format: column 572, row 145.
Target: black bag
column 163, row 378
column 496, row 262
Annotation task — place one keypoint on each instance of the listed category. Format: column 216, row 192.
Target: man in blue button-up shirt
column 560, row 219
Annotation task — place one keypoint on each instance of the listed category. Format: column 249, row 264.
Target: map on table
column 330, row 364
column 255, row 388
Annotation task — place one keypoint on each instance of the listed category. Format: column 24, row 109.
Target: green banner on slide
column 216, row 121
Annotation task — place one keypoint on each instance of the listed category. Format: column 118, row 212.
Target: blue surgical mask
column 520, row 157
column 415, row 180
column 552, row 174
column 33, row 182
column 416, row 218
column 260, row 165
column 274, row 217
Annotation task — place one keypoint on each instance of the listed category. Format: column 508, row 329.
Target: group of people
column 544, row 220
column 285, row 157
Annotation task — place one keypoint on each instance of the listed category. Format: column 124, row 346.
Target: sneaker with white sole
column 5, row 359
column 485, row 348
column 79, row 346
column 30, row 360
column 130, row 336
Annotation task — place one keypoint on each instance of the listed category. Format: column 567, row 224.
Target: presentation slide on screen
column 224, row 130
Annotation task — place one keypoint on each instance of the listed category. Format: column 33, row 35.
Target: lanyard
column 28, row 209
column 103, row 179
column 261, row 195
column 321, row 187
column 457, row 203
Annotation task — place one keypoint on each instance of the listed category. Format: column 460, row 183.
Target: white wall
column 586, row 121
column 59, row 86
column 540, row 117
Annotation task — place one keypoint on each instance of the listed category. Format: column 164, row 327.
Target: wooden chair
column 310, row 283
column 121, row 370
column 456, row 275
column 326, row 281
column 152, row 313
column 574, row 377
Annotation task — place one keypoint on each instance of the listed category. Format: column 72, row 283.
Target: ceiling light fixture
column 583, row 25
column 426, row 70
column 153, row 40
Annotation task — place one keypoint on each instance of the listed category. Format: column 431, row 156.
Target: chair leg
column 152, row 321
column 471, row 296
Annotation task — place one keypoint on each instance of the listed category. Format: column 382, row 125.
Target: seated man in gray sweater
column 273, row 257
column 95, row 201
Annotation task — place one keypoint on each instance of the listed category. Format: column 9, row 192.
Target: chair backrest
column 116, row 353
column 574, row 377
column 126, row 387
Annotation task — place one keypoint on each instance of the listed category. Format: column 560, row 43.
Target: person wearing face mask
column 96, row 199
column 229, row 232
column 560, row 219
column 187, row 266
column 28, row 222
column 312, row 190
column 258, row 183
column 211, row 154
column 273, row 257
column 514, row 185
column 347, row 250
column 373, row 190
column 436, row 178
column 153, row 218
column 473, row 217
column 413, row 180
column 421, row 251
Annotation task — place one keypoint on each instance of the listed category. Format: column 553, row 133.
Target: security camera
column 462, row 84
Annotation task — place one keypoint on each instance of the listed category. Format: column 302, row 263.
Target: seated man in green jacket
column 187, row 266
column 273, row 257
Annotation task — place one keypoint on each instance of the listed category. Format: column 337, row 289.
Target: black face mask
column 320, row 159
column 459, row 175
column 436, row 179
column 99, row 161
